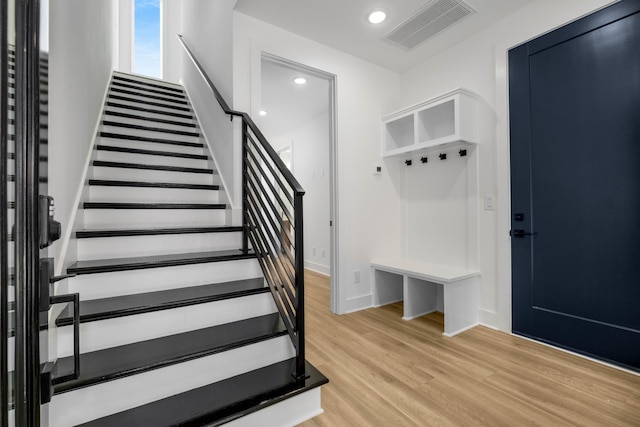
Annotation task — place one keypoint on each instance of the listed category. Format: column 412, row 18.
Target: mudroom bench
column 426, row 288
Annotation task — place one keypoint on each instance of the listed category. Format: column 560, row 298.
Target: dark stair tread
column 127, row 205
column 149, row 139
column 88, row 234
column 146, row 109
column 147, row 89
column 149, row 128
column 182, row 101
column 137, row 263
column 127, row 305
column 175, row 88
column 148, row 119
column 113, row 183
column 220, row 402
column 151, row 152
column 145, row 102
column 123, row 165
column 131, row 359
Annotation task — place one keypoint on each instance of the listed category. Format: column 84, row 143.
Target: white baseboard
column 357, row 303
column 63, row 259
column 318, row 268
column 490, row 319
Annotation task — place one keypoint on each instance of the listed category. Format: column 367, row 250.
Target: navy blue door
column 575, row 179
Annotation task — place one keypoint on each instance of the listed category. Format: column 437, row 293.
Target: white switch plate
column 489, row 203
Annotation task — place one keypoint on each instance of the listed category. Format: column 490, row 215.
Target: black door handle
column 519, row 233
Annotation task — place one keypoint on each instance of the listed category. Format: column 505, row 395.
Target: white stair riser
column 149, row 115
column 289, row 412
column 140, row 80
column 138, row 102
column 150, row 123
column 155, row 146
column 105, row 285
column 141, row 97
column 11, row 253
column 147, row 159
column 100, row 193
column 150, row 175
column 103, row 219
column 150, row 134
column 132, row 246
column 11, row 354
column 85, row 404
column 147, row 90
column 109, row 333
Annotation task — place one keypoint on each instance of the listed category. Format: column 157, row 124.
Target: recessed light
column 377, row 16
column 262, row 113
column 300, row 80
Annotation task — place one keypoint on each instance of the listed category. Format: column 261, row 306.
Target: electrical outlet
column 313, row 250
column 356, row 276
column 323, row 253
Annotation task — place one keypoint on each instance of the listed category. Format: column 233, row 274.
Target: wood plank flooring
column 385, row 371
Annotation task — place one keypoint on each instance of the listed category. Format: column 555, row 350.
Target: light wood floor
column 385, row 371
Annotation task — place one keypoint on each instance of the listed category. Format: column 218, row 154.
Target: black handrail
column 272, row 213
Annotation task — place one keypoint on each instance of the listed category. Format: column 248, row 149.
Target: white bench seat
column 427, row 287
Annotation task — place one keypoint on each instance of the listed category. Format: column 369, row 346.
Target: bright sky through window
column 147, row 38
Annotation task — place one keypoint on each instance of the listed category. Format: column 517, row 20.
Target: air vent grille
column 428, row 21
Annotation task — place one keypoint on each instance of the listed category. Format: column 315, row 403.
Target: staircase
column 177, row 326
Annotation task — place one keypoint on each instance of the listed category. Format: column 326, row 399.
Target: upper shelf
column 447, row 119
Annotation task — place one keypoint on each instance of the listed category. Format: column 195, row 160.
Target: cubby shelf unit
column 445, row 120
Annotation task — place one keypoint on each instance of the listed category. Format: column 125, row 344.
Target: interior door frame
column 258, row 54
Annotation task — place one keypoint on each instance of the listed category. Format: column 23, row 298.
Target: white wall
column 479, row 64
column 171, row 20
column 369, row 212
column 81, row 57
column 310, row 146
column 207, row 28
column 123, row 37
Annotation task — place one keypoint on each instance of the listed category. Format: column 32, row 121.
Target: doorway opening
column 147, row 36
column 296, row 112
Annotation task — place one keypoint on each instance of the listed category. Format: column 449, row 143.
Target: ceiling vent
column 428, row 21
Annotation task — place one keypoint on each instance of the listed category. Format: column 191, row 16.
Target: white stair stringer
column 108, row 333
column 161, row 244
column 85, row 404
column 129, row 282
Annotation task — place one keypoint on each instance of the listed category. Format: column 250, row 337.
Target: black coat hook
column 424, row 159
column 407, row 162
column 443, row 156
column 462, row 153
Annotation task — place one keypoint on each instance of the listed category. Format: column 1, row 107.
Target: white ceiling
column 342, row 24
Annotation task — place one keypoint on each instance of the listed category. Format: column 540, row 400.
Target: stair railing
column 272, row 221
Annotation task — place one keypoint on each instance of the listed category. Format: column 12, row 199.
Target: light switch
column 489, row 203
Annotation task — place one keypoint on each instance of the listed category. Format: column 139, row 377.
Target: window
column 147, row 56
